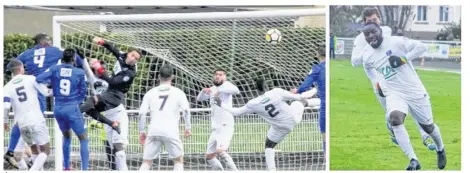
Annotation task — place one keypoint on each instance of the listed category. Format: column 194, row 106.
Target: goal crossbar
column 189, row 16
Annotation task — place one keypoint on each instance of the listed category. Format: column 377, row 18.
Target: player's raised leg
column 39, row 135
column 422, row 112
column 118, row 140
column 396, row 108
column 212, row 152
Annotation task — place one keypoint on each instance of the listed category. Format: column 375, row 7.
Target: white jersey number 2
column 271, row 110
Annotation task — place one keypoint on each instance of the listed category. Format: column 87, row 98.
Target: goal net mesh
column 195, row 48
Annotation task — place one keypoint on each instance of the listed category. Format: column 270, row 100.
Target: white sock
column 229, row 161
column 421, row 131
column 215, row 163
column 403, row 140
column 39, row 162
column 313, row 102
column 178, row 167
column 270, row 163
column 144, row 167
column 437, row 138
column 121, row 160
column 22, row 165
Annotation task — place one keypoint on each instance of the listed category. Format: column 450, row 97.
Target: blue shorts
column 321, row 120
column 42, row 102
column 69, row 117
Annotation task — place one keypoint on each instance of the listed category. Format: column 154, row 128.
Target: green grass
column 359, row 138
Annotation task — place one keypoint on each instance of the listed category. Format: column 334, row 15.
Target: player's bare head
column 68, row 56
column 261, row 84
column 133, row 56
column 371, row 15
column 15, row 66
column 165, row 73
column 42, row 39
column 373, row 34
column 219, row 77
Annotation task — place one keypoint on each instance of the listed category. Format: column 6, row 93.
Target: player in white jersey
column 373, row 15
column 165, row 103
column 390, row 58
column 21, row 94
column 221, row 121
column 272, row 107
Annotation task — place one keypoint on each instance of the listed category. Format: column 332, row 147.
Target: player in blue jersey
column 317, row 75
column 69, row 90
column 37, row 60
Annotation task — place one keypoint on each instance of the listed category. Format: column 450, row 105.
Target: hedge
column 197, row 52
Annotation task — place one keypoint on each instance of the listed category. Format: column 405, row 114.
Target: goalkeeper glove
column 396, row 61
column 98, row 67
column 80, row 53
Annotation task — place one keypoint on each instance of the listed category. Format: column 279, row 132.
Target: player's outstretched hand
column 116, row 127
column 187, row 132
column 207, row 90
column 396, row 61
column 80, row 53
column 98, row 40
column 142, row 137
column 293, row 90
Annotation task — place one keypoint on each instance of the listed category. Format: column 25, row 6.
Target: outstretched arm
column 108, row 46
column 237, row 111
column 203, row 96
column 185, row 111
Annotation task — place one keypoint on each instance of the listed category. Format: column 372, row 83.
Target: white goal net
column 195, row 45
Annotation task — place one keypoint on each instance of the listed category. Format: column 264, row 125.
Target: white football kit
column 165, row 103
column 402, row 87
column 272, row 107
column 222, row 122
column 360, row 45
column 21, row 93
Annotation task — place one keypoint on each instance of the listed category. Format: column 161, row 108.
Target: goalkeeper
column 110, row 153
column 317, row 75
column 111, row 101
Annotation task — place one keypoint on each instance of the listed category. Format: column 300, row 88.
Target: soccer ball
column 273, row 36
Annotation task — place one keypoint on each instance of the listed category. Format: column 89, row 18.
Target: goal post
column 195, row 44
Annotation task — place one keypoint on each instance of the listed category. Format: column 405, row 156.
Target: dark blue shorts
column 69, row 117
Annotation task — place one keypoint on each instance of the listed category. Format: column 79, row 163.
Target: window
column 422, row 13
column 443, row 13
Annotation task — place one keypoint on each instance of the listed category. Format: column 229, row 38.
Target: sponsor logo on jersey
column 265, row 100
column 17, row 81
column 126, row 78
column 164, row 89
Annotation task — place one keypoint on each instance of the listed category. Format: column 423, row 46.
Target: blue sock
column 14, row 138
column 324, row 147
column 66, row 152
column 84, row 154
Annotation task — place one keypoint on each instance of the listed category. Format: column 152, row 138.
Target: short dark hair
column 14, row 65
column 369, row 11
column 68, row 55
column 219, row 69
column 41, row 37
column 372, row 23
column 165, row 72
column 260, row 84
column 136, row 50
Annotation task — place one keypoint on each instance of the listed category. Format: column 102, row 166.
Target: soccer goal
column 195, row 45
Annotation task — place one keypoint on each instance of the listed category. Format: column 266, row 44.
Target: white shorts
column 220, row 138
column 35, row 134
column 117, row 114
column 382, row 101
column 153, row 145
column 420, row 109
